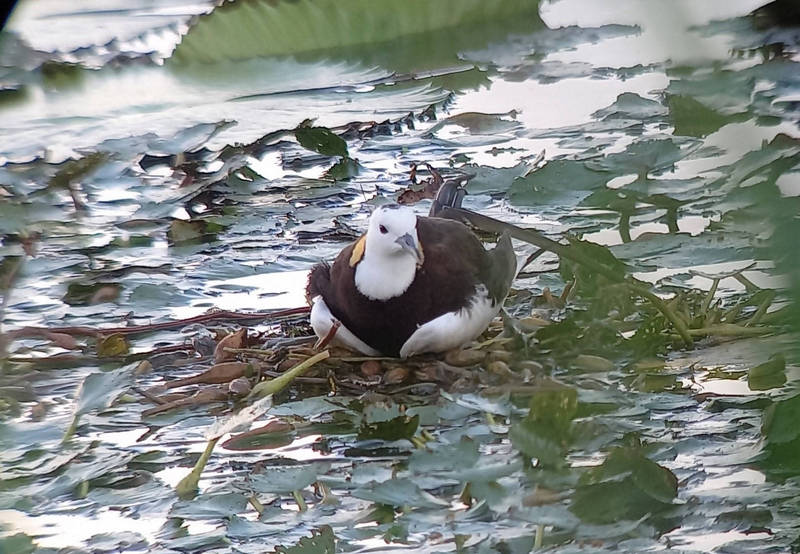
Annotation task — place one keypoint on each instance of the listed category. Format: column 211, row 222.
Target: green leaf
column 446, row 457
column 99, row 390
column 321, row 541
column 779, row 425
column 74, row 170
column 402, row 427
column 641, row 158
column 321, row 140
column 627, row 485
column 18, row 544
column 343, row 169
column 284, row 479
column 399, row 493
column 560, row 181
column 239, row 30
column 528, row 438
column 630, row 105
column 769, row 375
column 691, row 118
column 208, row 506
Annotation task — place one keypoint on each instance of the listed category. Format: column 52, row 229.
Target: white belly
column 453, row 329
column 322, row 320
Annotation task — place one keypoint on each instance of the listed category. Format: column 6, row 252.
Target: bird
column 410, row 285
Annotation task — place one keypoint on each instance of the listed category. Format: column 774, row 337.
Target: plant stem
column 762, row 309
column 730, row 330
column 537, row 541
column 301, row 503
column 71, row 429
column 662, row 307
column 279, row 383
column 187, row 487
column 710, row 296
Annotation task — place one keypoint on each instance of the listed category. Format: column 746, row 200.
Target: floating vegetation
column 160, row 388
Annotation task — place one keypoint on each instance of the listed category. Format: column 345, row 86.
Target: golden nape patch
column 358, row 251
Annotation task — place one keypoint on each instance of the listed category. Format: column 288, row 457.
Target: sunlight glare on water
column 265, row 291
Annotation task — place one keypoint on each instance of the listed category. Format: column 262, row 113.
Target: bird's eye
column 383, row 229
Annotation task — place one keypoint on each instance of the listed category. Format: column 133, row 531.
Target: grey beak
column 408, row 243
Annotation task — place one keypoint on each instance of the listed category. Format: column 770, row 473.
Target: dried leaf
column 206, row 396
column 240, row 386
column 234, row 340
column 396, row 375
column 62, row 340
column 463, row 358
column 216, row 374
column 587, row 362
column 370, row 368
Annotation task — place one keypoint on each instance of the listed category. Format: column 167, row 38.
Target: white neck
column 384, row 277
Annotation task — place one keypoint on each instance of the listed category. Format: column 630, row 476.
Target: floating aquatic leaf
column 484, row 472
column 399, row 493
column 99, row 391
column 463, row 454
column 118, row 540
column 284, row 479
column 478, row 123
column 79, row 294
column 752, row 520
column 321, row 541
column 641, row 158
column 304, row 27
column 181, row 231
column 528, row 438
column 242, row 418
column 308, row 407
column 779, row 425
column 72, row 171
column 498, row 405
column 631, row 105
column 401, row 427
column 692, row 118
column 626, row 485
column 321, row 140
column 209, row 506
column 559, row 181
column 272, row 435
column 768, row 375
column 492, row 180
column 242, row 528
column 343, row 169
column 19, row 543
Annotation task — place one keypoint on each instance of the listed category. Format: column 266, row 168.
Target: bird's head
column 392, row 232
